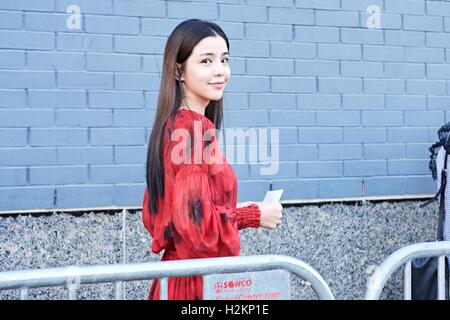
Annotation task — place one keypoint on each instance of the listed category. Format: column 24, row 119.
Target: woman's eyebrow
column 212, row 54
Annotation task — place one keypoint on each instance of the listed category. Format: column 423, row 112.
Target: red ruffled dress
column 197, row 218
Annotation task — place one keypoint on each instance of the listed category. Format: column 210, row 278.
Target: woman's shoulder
column 187, row 119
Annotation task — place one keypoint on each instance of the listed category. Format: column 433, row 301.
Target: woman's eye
column 225, row 60
column 206, row 60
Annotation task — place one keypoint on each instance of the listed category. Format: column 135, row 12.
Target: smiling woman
column 190, row 206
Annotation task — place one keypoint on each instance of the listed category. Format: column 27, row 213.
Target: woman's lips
column 218, row 85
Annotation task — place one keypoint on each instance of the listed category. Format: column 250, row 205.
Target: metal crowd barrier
column 403, row 256
column 73, row 277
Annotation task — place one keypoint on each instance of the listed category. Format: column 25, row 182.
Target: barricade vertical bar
column 119, row 290
column 441, row 278
column 24, row 293
column 72, row 292
column 407, row 281
column 163, row 290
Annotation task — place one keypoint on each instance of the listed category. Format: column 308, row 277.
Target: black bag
column 424, row 271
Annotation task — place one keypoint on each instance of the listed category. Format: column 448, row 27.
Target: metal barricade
column 404, row 256
column 73, row 277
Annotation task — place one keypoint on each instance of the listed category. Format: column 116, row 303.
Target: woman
column 189, row 206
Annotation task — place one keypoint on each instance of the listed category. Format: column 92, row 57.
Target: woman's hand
column 271, row 214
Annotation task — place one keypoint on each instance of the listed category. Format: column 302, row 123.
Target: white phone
column 273, row 196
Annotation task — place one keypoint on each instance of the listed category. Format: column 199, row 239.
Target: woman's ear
column 179, row 72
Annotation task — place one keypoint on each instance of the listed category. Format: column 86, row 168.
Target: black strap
column 440, row 234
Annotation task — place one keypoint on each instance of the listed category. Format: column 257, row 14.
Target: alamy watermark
column 205, row 146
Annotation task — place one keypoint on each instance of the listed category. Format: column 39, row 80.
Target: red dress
column 197, row 218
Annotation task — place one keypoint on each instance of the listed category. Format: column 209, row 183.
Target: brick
column 407, row 135
column 242, row 13
column 84, row 155
column 438, row 8
column 340, row 85
column 318, row 4
column 438, row 102
column 115, row 99
column 10, row 39
column 133, row 118
column 420, row 185
column 249, row 84
column 425, row 87
column 84, row 42
column 117, row 173
column 361, row 69
column 339, row 52
column 365, row 36
column 341, row 187
column 132, row 44
column 130, row 155
column 292, row 118
column 270, row 67
column 250, row 190
column 139, row 8
column 387, row 21
column 362, row 102
column 57, row 98
column 294, row 84
column 129, row 194
column 360, row 5
column 405, row 6
column 113, row 62
column 117, row 136
column 384, row 86
column 57, row 137
column 438, row 40
column 111, row 24
column 13, row 176
column 340, row 151
column 271, row 101
column 406, row 102
column 438, row 71
column 12, row 98
column 38, row 5
column 271, row 3
column 404, row 38
column 383, row 53
column 424, row 118
column 404, row 70
column 338, row 118
column 291, row 16
column 320, row 169
column 297, row 188
column 337, row 18
column 316, row 34
column 84, row 196
column 320, row 135
column 274, row 170
column 48, row 22
column 10, row 20
column 380, row 186
column 58, row 175
column 424, row 55
column 384, row 151
column 13, row 137
column 27, row 79
column 249, row 48
column 422, row 23
column 158, row 27
column 230, row 101
column 136, row 81
column 90, row 80
column 152, row 64
column 381, row 118
column 27, row 156
column 293, row 152
column 246, row 118
column 292, row 50
column 417, row 150
column 364, row 135
column 407, row 166
column 83, row 118
column 193, row 10
column 319, row 101
column 55, row 60
column 87, row 6
column 365, row 168
column 16, row 198
column 316, row 68
column 260, row 31
column 26, row 118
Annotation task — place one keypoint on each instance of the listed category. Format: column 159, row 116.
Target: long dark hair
column 178, row 48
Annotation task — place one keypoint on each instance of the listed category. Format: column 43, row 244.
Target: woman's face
column 206, row 71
